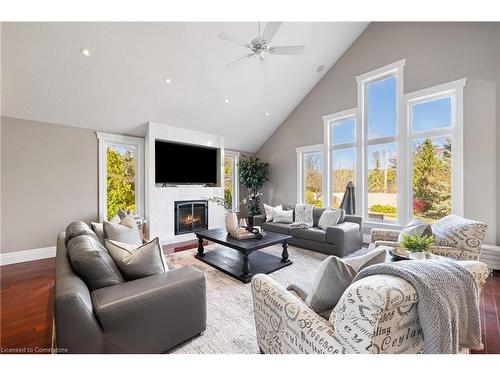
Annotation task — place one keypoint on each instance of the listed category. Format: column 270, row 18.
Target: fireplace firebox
column 190, row 216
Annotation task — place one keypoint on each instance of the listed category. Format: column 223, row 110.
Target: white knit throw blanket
column 303, row 216
column 448, row 301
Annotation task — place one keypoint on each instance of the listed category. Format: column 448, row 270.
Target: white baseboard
column 27, row 255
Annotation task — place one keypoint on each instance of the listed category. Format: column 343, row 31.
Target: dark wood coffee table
column 234, row 257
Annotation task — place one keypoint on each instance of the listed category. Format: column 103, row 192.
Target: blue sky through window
column 343, row 131
column 381, row 108
column 434, row 114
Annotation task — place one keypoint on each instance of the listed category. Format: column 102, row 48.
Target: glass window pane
column 382, row 188
column 381, row 108
column 313, row 178
column 343, row 131
column 120, row 171
column 228, row 180
column 343, row 166
column 434, row 114
column 431, row 178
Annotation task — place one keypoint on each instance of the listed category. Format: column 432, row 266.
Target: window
column 231, row 185
column 120, row 174
column 340, row 128
column 402, row 151
column 310, row 172
column 434, row 117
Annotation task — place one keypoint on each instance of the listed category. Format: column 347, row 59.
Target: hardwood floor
column 27, row 293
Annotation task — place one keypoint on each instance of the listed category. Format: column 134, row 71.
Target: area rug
column 230, row 321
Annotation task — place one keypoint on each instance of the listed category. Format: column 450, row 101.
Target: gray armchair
column 148, row 315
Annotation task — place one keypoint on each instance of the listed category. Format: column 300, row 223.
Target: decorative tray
column 246, row 233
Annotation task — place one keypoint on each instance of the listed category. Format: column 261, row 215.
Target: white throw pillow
column 329, row 218
column 281, row 216
column 122, row 233
column 270, row 211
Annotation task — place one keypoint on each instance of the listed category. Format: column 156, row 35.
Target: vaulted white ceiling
column 121, row 85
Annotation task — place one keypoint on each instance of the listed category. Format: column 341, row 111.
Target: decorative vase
column 250, row 221
column 231, row 222
column 420, row 255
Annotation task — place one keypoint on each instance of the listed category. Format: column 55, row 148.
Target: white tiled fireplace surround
column 159, row 201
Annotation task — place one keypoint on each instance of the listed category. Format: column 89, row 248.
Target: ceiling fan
column 260, row 46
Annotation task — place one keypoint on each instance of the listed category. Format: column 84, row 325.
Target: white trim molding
column 104, row 139
column 301, row 151
column 27, row 255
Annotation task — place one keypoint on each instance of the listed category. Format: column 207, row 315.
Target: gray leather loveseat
column 148, row 315
column 339, row 240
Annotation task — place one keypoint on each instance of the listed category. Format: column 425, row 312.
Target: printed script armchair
column 454, row 237
column 377, row 314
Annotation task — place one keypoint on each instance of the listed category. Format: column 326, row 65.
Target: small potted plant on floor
column 416, row 246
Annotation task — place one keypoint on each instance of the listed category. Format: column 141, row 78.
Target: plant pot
column 420, row 255
column 231, row 222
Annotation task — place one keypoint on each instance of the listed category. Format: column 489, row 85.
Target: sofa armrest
column 355, row 219
column 152, row 314
column 379, row 234
column 259, row 219
column 378, row 314
column 345, row 238
column 285, row 324
column 478, row 269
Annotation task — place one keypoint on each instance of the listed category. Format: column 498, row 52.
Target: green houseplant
column 253, row 174
column 417, row 245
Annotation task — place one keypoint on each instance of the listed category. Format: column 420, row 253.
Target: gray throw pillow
column 282, row 216
column 122, row 233
column 334, row 277
column 98, row 229
column 415, row 228
column 329, row 218
column 136, row 262
column 92, row 263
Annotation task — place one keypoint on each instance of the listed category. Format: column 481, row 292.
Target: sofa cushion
column 136, row 262
column 329, row 218
column 277, row 227
column 122, row 233
column 78, row 228
column 334, row 276
column 282, row 216
column 456, row 231
column 312, row 234
column 92, row 263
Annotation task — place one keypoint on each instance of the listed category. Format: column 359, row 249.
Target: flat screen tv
column 183, row 164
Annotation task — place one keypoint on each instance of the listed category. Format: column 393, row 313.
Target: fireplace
column 190, row 216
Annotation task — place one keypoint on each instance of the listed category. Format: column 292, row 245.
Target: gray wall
column 49, row 178
column 435, row 53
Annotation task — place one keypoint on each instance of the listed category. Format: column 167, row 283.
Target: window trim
column 104, row 139
column 301, row 151
column 395, row 69
column 235, row 155
column 330, row 147
column 453, row 89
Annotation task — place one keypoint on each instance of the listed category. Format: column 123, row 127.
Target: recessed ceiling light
column 226, row 101
column 168, row 80
column 267, row 114
column 85, row 52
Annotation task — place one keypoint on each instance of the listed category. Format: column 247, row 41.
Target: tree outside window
column 313, row 178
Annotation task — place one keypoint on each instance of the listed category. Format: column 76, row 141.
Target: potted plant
column 231, row 218
column 253, row 174
column 416, row 246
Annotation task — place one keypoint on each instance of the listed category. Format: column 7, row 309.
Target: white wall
column 435, row 53
column 159, row 201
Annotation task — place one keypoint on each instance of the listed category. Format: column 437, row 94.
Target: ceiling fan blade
column 287, row 50
column 270, row 31
column 232, row 39
column 238, row 59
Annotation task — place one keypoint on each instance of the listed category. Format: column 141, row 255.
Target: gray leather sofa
column 339, row 240
column 148, row 315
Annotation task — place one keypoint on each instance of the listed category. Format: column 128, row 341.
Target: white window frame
column 328, row 177
column 105, row 139
column 235, row 156
column 453, row 89
column 301, row 152
column 395, row 69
